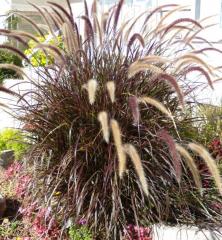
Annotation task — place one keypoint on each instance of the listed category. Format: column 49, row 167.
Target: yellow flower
column 57, row 193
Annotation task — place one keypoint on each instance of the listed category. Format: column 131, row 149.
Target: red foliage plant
column 12, row 170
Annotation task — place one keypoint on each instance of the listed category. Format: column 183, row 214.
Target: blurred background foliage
column 12, row 139
column 38, row 57
column 10, row 58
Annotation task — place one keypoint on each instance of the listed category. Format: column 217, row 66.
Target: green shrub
column 80, row 233
column 10, row 58
column 39, row 58
column 210, row 125
column 8, row 229
column 14, row 140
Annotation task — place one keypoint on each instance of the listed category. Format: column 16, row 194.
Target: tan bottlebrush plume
column 207, row 49
column 157, row 105
column 111, row 87
column 120, row 33
column 171, row 80
column 202, row 71
column 168, row 14
column 152, row 13
column 119, row 147
column 136, row 36
column 104, row 19
column 177, row 33
column 126, row 36
column 193, row 58
column 98, row 28
column 89, row 33
column 188, row 62
column 134, row 106
column 152, row 58
column 176, row 160
column 70, row 40
column 189, row 39
column 181, row 20
column 3, row 105
column 14, row 50
column 134, row 156
column 91, row 88
column 20, row 39
column 30, row 21
column 186, row 36
column 210, row 162
column 117, row 13
column 103, row 119
column 7, row 91
column 63, row 10
column 191, row 165
column 15, row 68
column 26, row 35
column 141, row 67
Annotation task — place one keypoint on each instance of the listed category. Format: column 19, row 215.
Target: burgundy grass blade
column 181, row 20
column 166, row 138
column 134, row 107
column 173, row 82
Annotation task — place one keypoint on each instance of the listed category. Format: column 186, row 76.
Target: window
column 197, row 9
column 221, row 13
column 111, row 2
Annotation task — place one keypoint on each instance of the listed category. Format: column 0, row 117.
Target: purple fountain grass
column 122, row 82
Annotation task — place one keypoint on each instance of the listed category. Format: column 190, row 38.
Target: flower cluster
column 22, row 185
column 29, row 210
column 12, row 170
column 216, row 206
column 137, row 233
column 23, row 238
column 215, row 148
column 45, row 225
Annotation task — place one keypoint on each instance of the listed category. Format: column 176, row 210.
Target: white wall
column 162, row 232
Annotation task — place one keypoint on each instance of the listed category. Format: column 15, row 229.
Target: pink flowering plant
column 12, row 170
column 137, row 233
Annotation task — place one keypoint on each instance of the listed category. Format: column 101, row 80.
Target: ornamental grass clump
column 106, row 120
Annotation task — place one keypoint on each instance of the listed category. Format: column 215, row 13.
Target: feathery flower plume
column 157, row 105
column 210, row 163
column 111, row 87
column 165, row 136
column 103, row 119
column 202, row 71
column 141, row 67
column 134, row 156
column 15, row 68
column 136, row 36
column 119, row 147
column 134, row 106
column 191, row 164
column 91, row 87
column 181, row 20
column 173, row 82
column 192, row 58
